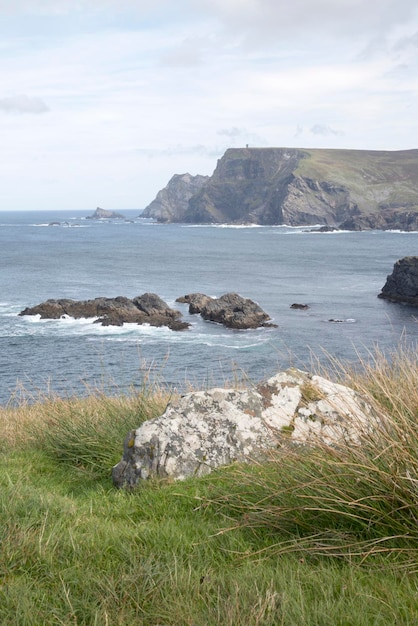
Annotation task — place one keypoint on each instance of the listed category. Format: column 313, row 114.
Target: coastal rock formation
column 299, row 306
column 101, row 214
column 171, row 203
column 384, row 219
column 146, row 309
column 350, row 189
column 208, row 429
column 402, row 284
column 231, row 310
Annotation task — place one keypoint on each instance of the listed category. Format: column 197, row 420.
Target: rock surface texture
column 171, row 203
column 208, row 429
column 350, row 189
column 146, row 309
column 402, row 284
column 231, row 310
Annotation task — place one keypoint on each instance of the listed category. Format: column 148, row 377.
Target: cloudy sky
column 102, row 101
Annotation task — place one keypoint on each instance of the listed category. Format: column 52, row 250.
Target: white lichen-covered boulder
column 207, row 429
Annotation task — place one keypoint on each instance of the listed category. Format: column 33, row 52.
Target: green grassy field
column 324, row 537
column 373, row 177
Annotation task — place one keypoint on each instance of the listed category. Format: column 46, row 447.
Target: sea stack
column 402, row 284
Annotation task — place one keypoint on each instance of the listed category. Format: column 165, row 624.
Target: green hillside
column 373, row 177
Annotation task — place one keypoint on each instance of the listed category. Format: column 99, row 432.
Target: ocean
column 64, row 255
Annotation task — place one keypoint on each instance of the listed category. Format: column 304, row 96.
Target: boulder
column 402, row 284
column 231, row 310
column 203, row 430
column 145, row 309
column 301, row 307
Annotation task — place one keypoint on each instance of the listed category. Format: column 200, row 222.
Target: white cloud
column 324, row 130
column 63, row 7
column 23, row 104
column 137, row 91
column 189, row 52
column 232, row 132
column 275, row 18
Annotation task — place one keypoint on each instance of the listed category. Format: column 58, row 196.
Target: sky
column 103, row 101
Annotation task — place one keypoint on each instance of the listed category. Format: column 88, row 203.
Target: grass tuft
column 83, row 433
column 346, row 500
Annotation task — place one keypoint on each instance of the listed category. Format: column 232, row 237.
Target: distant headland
column 339, row 189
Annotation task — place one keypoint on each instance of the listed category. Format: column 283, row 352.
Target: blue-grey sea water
column 337, row 274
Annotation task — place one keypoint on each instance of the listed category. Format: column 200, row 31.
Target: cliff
column 352, row 189
column 172, row 202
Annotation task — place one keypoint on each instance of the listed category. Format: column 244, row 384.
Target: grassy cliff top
column 372, row 176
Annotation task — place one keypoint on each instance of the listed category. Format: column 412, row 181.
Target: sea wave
column 402, row 232
column 230, row 226
column 65, row 326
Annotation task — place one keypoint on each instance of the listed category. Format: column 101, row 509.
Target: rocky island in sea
column 231, row 310
column 146, row 309
column 101, row 214
column 346, row 189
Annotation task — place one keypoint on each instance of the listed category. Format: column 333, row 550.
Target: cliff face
column 354, row 189
column 172, row 202
column 248, row 185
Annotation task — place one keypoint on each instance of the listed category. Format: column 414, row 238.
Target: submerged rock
column 208, row 429
column 146, row 309
column 231, row 310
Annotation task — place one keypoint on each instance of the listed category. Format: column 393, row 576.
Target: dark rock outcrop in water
column 101, row 214
column 146, row 309
column 172, row 202
column 231, row 310
column 301, row 307
column 350, row 189
column 402, row 284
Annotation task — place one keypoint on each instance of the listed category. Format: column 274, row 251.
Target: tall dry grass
column 345, row 500
column 87, row 433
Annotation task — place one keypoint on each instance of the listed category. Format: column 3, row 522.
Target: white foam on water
column 7, row 309
column 330, row 232
column 341, row 320
column 229, row 226
column 233, row 340
column 403, row 232
column 72, row 325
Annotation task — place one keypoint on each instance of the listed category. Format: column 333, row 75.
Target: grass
column 312, row 537
column 347, row 500
column 373, row 177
